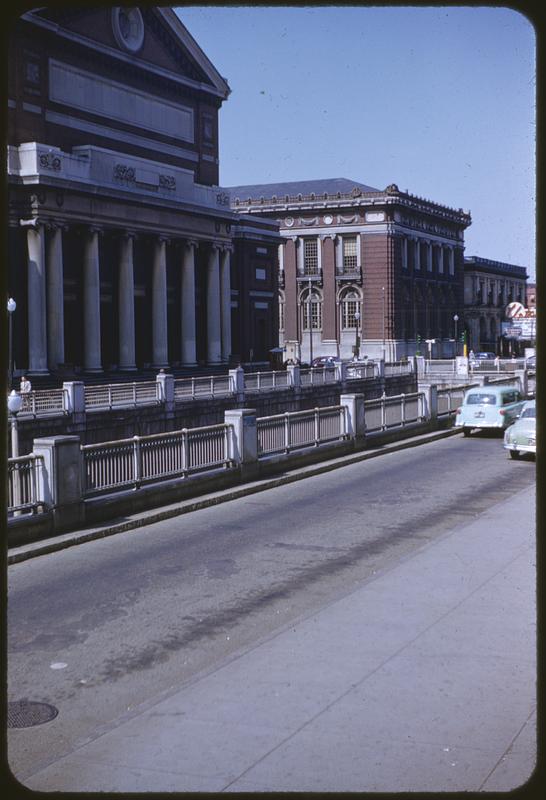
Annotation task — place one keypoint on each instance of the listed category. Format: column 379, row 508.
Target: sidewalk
column 422, row 679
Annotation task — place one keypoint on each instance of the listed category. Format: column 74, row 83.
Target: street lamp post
column 357, row 334
column 310, row 323
column 383, row 304
column 15, row 403
column 12, row 305
column 456, row 320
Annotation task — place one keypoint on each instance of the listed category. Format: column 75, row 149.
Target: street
column 108, row 627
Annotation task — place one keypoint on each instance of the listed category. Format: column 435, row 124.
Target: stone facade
column 361, row 267
column 121, row 242
column 489, row 286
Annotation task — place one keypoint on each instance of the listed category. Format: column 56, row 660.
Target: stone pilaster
column 187, row 302
column 214, row 341
column 225, row 303
column 126, row 308
column 55, row 297
column 160, row 356
column 91, row 302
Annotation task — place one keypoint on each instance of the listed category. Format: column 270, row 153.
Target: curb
column 62, row 541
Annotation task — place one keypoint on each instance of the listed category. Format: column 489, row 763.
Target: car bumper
column 521, row 448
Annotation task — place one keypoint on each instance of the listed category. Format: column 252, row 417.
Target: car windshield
column 529, row 412
column 478, row 399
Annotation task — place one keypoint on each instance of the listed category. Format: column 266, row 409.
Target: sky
column 439, row 100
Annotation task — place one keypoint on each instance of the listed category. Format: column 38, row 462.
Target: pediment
column 152, row 38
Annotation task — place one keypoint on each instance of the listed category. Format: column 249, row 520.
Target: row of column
column 499, row 288
column 427, row 263
column 46, row 318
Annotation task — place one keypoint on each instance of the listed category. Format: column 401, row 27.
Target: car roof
column 491, row 389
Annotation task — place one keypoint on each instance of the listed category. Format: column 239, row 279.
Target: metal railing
column 46, row 401
column 497, row 365
column 283, row 433
column 318, row 376
column 112, row 466
column 122, row 395
column 261, row 381
column 440, row 365
column 206, row 386
column 451, row 397
column 398, row 368
column 357, row 371
column 394, row 412
column 23, row 485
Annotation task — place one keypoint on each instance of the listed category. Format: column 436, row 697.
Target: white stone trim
column 93, row 93
column 114, row 133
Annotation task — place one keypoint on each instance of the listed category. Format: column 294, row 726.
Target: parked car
column 521, row 436
column 493, row 407
column 531, row 362
column 325, row 361
column 474, row 360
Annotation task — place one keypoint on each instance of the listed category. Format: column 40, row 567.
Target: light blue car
column 492, row 407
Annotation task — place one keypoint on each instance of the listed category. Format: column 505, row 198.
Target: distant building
column 531, row 301
column 381, row 266
column 121, row 242
column 489, row 286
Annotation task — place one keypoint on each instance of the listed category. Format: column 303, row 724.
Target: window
column 310, row 257
column 261, row 274
column 509, row 397
column 479, row 399
column 312, row 311
column 349, row 253
column 350, row 304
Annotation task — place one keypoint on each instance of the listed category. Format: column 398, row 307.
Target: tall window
column 310, row 257
column 281, row 312
column 350, row 302
column 312, row 310
column 349, row 253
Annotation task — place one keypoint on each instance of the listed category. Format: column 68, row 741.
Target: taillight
column 458, row 411
column 502, row 412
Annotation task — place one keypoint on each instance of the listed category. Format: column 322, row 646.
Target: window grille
column 310, row 257
column 349, row 253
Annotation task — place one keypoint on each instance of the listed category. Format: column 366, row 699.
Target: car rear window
column 510, row 397
column 478, row 399
column 529, row 412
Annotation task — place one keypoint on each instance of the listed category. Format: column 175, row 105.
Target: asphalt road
column 101, row 628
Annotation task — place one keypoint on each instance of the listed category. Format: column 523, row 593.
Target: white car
column 521, row 437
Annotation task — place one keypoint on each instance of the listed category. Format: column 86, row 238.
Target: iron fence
column 23, row 485
column 122, row 395
column 397, row 411
column 283, row 433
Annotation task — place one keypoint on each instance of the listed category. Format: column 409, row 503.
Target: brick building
column 121, row 244
column 381, row 267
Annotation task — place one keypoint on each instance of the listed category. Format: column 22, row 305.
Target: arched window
column 350, row 304
column 311, row 307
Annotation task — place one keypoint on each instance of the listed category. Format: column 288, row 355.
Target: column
column 417, row 246
column 126, row 307
column 338, row 255
column 37, row 326
column 160, row 356
column 299, row 255
column 225, row 304
column 291, row 291
column 429, row 257
column 319, row 256
column 214, row 345
column 91, row 303
column 189, row 358
column 55, row 298
column 329, row 322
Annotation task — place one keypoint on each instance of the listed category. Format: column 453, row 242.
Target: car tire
column 466, row 431
column 514, row 454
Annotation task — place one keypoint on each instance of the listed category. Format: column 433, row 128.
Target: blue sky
column 439, row 100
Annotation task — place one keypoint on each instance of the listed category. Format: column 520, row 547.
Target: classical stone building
column 489, row 286
column 359, row 266
column 121, row 243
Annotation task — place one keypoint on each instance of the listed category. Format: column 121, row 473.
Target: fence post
column 461, row 366
column 341, row 374
column 237, row 377
column 166, row 390
column 294, row 375
column 431, row 397
column 60, row 479
column 355, row 415
column 522, row 376
column 75, row 400
column 244, row 439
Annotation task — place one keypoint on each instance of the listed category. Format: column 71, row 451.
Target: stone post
column 294, row 377
column 244, row 439
column 355, row 416
column 237, row 377
column 431, row 394
column 461, row 365
column 60, row 479
column 75, row 397
column 166, row 391
column 521, row 375
column 341, row 373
